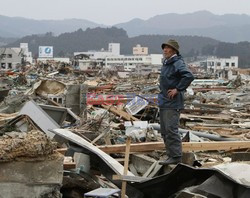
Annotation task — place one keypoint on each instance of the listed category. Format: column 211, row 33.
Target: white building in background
column 139, row 62
column 27, row 55
column 113, row 50
column 215, row 64
column 130, row 63
column 147, row 69
column 221, row 66
column 10, row 58
column 139, row 50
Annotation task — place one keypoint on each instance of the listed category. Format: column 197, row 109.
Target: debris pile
column 108, row 130
column 30, row 145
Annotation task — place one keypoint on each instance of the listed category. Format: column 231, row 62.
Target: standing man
column 174, row 80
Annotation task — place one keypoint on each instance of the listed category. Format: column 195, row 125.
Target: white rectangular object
column 45, row 52
column 139, row 124
column 136, row 105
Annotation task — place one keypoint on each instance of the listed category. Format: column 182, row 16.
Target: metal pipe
column 200, row 134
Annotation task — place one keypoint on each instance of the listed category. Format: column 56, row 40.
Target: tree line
column 97, row 38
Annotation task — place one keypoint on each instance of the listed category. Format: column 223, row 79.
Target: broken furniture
column 103, row 193
column 40, row 117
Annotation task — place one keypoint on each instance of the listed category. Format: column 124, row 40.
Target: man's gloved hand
column 172, row 93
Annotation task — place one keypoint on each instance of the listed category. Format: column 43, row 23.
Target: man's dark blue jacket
column 174, row 74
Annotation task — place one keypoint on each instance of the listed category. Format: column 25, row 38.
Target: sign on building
column 45, row 52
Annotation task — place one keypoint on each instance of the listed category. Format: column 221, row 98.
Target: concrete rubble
column 65, row 132
column 29, row 165
column 32, row 144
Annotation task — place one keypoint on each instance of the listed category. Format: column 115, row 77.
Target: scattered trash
column 89, row 116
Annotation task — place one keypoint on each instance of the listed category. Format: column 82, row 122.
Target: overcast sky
column 110, row 12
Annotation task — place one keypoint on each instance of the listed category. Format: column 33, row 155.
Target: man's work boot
column 171, row 160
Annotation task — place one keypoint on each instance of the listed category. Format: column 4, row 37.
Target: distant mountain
column 20, row 27
column 98, row 38
column 228, row 27
column 5, row 41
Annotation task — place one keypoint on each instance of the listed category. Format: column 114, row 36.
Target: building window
column 227, row 64
column 218, row 64
column 9, row 56
column 3, row 65
column 10, row 65
column 233, row 64
column 60, row 100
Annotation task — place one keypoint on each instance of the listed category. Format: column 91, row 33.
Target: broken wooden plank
column 203, row 90
column 201, row 111
column 128, row 178
column 6, row 115
column 4, row 118
column 150, row 170
column 155, row 171
column 186, row 146
column 120, row 113
column 62, row 150
column 99, row 137
column 126, row 162
column 107, row 139
column 223, row 132
column 218, row 118
column 212, row 128
column 208, row 105
column 121, row 160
